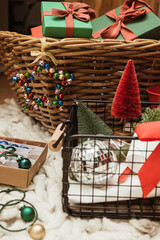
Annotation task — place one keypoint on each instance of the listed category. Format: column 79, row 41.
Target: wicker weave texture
column 97, row 66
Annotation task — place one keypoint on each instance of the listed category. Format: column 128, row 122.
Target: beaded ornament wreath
column 23, row 80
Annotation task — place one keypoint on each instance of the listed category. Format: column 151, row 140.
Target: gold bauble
column 22, row 89
column 61, row 108
column 51, row 70
column 37, row 231
column 21, row 76
column 61, row 77
column 25, row 95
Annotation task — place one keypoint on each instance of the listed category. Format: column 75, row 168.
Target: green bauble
column 55, row 103
column 55, row 75
column 27, row 74
column 56, row 98
column 67, row 75
column 24, row 163
column 1, row 146
column 26, row 107
column 41, row 104
column 27, row 213
column 11, row 149
column 62, row 88
column 39, row 69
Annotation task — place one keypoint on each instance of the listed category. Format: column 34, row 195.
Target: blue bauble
column 4, row 142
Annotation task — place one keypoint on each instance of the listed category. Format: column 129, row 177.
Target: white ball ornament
column 93, row 162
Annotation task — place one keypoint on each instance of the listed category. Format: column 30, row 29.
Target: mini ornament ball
column 92, row 162
column 27, row 213
column 37, row 231
column 24, row 163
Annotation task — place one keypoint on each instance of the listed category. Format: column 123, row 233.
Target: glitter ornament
column 93, row 163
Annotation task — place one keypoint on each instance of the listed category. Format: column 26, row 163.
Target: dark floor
column 5, row 89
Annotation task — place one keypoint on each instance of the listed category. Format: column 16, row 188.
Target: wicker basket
column 97, row 66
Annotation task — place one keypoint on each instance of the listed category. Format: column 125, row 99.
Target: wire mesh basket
column 94, row 181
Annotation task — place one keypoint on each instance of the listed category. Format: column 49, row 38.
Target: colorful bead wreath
column 23, row 81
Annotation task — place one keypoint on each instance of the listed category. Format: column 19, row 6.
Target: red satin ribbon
column 81, row 11
column 128, row 13
column 149, row 174
column 134, row 4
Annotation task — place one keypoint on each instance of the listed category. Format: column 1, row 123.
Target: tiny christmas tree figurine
column 90, row 123
column 126, row 103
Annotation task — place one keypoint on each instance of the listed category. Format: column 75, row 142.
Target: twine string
column 43, row 54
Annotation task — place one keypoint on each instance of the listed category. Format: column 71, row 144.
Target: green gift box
column 54, row 26
column 146, row 26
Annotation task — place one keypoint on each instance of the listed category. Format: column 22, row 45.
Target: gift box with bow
column 62, row 19
column 134, row 19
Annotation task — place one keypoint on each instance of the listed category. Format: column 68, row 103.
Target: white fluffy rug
column 45, row 194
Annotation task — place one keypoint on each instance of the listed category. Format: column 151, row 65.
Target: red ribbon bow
column 149, row 173
column 134, row 4
column 128, row 13
column 81, row 11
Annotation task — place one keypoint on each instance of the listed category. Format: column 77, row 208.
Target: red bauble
column 63, row 83
column 30, row 108
column 126, row 103
column 35, row 67
column 20, row 83
column 55, row 108
column 44, row 99
column 61, row 96
column 50, row 75
column 31, row 95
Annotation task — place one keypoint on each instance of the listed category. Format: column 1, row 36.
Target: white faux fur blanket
column 45, row 194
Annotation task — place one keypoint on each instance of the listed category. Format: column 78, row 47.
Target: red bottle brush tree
column 126, row 102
